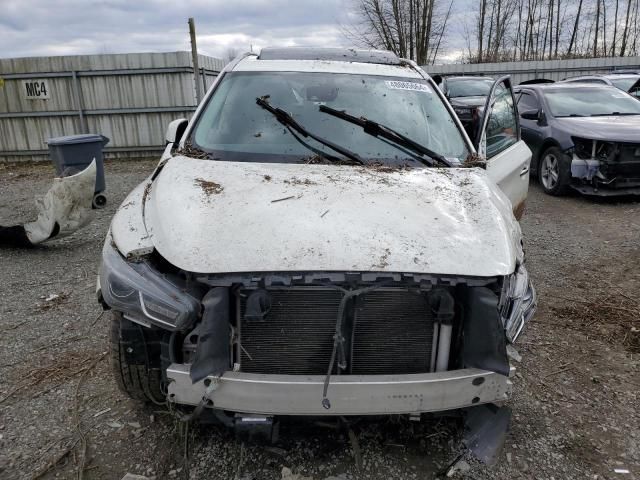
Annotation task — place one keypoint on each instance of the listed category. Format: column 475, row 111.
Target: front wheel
column 136, row 361
column 554, row 171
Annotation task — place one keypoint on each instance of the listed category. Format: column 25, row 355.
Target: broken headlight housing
column 518, row 303
column 593, row 149
column 142, row 293
column 582, row 147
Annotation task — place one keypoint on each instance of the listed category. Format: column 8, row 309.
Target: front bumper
column 606, row 192
column 606, row 179
column 348, row 394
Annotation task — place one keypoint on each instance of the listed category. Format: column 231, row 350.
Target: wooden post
column 77, row 98
column 194, row 56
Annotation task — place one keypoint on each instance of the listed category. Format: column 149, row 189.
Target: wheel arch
column 546, row 144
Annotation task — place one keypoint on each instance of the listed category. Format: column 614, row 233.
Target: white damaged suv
column 322, row 238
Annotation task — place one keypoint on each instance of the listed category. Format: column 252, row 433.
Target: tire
column 554, row 171
column 99, row 201
column 141, row 378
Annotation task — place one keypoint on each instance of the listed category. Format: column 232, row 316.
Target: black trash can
column 74, row 153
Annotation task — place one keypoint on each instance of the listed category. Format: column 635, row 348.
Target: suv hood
column 221, row 217
column 611, row 128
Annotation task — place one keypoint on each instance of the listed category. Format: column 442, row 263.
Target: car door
column 530, row 129
column 635, row 89
column 499, row 142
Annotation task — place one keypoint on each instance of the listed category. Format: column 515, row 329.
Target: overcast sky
column 69, row 27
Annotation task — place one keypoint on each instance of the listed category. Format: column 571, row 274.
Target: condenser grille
column 296, row 337
column 387, row 332
column 393, row 333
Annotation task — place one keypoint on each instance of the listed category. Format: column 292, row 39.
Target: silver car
column 322, row 238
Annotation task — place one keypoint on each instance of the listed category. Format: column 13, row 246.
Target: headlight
column 140, row 291
column 519, row 303
column 462, row 110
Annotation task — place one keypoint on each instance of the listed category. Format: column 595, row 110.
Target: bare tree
column 444, row 26
column 634, row 50
column 555, row 53
column 493, row 21
column 615, row 30
column 481, row 21
column 412, row 29
column 595, row 41
column 604, row 27
column 623, row 47
column 503, row 30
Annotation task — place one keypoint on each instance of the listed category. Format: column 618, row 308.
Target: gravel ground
column 576, row 388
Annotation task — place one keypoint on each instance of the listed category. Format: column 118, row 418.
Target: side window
column 527, row 102
column 502, row 126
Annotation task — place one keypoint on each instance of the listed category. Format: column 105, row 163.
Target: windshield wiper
column 466, row 96
column 378, row 130
column 291, row 124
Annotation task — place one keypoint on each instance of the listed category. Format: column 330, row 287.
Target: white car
column 322, row 238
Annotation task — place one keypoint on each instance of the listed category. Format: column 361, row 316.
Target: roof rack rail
column 330, row 54
column 621, row 71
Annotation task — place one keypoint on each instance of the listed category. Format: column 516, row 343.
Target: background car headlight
column 140, row 291
column 462, row 110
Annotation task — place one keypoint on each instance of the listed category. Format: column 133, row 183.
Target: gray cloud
column 42, row 27
column 68, row 27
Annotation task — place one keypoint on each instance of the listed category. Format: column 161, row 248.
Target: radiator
column 387, row 332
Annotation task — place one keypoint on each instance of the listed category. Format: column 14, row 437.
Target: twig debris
column 283, row 199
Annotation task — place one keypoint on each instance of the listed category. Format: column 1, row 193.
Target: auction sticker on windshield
column 399, row 85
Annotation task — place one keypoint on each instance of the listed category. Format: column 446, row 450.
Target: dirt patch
column 474, row 160
column 193, row 152
column 316, row 160
column 383, row 168
column 320, row 160
column 384, row 259
column 298, row 181
column 616, row 317
column 146, row 193
column 209, row 187
column 10, row 172
column 60, row 368
column 606, row 304
column 53, row 300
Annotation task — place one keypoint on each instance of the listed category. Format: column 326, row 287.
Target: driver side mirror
column 175, row 130
column 530, row 114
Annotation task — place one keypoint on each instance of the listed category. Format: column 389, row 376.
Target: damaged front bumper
column 349, row 394
column 605, row 168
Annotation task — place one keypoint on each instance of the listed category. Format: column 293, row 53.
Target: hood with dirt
column 221, row 217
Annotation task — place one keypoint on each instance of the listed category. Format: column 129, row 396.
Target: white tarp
column 65, row 208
